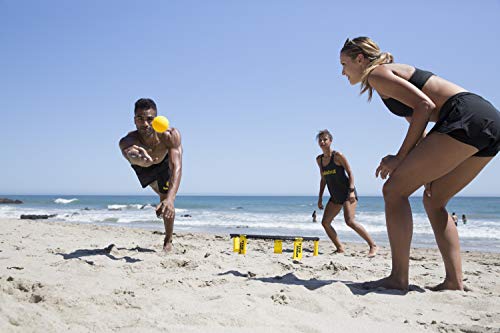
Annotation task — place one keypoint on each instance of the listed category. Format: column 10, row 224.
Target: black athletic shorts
column 342, row 198
column 471, row 119
column 157, row 172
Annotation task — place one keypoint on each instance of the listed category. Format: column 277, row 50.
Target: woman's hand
column 352, row 197
column 320, row 203
column 427, row 190
column 387, row 166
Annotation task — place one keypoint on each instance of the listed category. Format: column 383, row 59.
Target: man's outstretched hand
column 139, row 156
column 165, row 209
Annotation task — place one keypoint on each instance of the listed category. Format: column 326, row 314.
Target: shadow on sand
column 313, row 284
column 362, row 289
column 78, row 254
column 289, row 279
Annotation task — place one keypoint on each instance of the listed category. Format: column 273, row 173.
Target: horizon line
column 234, row 195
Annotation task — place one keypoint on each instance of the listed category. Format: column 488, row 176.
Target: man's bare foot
column 387, row 283
column 339, row 250
column 373, row 251
column 447, row 285
column 167, row 245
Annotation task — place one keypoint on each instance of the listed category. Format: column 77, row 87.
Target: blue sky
column 248, row 84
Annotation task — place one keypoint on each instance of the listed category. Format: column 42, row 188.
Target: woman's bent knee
column 392, row 191
column 350, row 222
column 326, row 224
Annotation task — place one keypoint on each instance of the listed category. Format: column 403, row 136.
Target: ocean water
column 283, row 215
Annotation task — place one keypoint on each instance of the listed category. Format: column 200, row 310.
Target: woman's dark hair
column 324, row 132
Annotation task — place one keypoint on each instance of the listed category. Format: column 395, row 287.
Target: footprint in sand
column 178, row 263
column 124, row 292
column 210, row 283
column 336, row 267
column 27, row 287
column 285, row 266
column 281, row 299
column 358, row 311
column 35, row 298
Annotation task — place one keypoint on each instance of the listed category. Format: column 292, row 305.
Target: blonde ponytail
column 370, row 50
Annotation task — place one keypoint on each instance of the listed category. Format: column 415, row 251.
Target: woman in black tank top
column 464, row 140
column 333, row 167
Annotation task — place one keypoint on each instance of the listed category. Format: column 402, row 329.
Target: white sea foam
column 65, row 201
column 129, row 207
column 117, row 207
column 251, row 221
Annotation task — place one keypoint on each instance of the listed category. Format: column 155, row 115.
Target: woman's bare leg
column 332, row 210
column 349, row 214
column 437, row 155
column 445, row 231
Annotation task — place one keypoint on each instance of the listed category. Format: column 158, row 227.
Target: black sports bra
column 418, row 79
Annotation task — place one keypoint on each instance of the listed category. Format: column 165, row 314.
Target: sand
column 58, row 277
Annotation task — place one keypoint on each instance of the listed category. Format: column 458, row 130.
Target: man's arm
column 175, row 161
column 166, row 206
column 133, row 153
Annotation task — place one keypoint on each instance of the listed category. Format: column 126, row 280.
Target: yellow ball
column 160, row 124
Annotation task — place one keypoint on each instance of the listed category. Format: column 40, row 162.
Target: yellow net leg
column 236, row 244
column 278, row 246
column 297, row 249
column 243, row 244
column 316, row 248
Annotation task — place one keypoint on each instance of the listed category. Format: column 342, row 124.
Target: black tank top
column 336, row 179
column 418, row 79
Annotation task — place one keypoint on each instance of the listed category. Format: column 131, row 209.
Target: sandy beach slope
column 58, row 277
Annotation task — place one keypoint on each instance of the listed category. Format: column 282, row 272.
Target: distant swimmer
column 464, row 219
column 454, row 217
column 464, row 139
column 156, row 158
column 314, row 216
column 336, row 174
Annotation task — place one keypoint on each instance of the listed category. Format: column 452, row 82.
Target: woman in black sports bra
column 465, row 138
column 336, row 174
